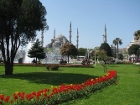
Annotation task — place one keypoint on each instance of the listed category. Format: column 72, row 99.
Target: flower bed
column 63, row 93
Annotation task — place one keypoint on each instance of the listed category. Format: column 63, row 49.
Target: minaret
column 70, row 34
column 42, row 37
column 54, row 34
column 77, row 38
column 105, row 35
column 103, row 38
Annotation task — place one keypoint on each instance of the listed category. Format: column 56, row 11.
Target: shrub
column 52, row 66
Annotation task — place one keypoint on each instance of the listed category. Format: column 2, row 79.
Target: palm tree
column 137, row 34
column 117, row 42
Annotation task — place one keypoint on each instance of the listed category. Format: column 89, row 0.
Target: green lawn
column 28, row 79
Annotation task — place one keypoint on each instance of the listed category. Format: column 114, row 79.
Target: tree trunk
column 117, row 50
column 36, row 60
column 8, row 68
column 68, row 58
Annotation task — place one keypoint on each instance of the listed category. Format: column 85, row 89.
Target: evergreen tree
column 107, row 48
column 36, row 51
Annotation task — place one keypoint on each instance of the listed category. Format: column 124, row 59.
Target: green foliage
column 117, row 42
column 19, row 21
column 69, row 50
column 133, row 49
column 104, row 59
column 138, row 52
column 36, row 51
column 107, row 48
column 120, row 56
column 82, row 51
column 137, row 34
column 102, row 55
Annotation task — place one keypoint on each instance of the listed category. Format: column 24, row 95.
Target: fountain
column 53, row 56
column 27, row 59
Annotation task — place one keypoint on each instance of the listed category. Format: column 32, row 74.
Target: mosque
column 60, row 40
column 57, row 42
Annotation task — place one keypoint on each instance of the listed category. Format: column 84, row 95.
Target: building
column 57, row 42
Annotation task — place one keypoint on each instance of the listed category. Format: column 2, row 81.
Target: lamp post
column 95, row 57
column 87, row 53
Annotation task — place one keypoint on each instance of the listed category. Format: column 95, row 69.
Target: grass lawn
column 28, row 79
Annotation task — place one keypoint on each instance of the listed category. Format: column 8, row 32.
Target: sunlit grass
column 126, row 92
column 28, row 79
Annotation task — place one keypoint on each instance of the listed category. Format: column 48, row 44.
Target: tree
column 137, row 34
column 107, row 48
column 68, row 49
column 138, row 53
column 82, row 51
column 117, row 42
column 104, row 59
column 37, row 51
column 120, row 56
column 19, row 21
column 134, row 49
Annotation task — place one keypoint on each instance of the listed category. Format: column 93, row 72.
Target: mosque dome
column 60, row 37
column 58, row 41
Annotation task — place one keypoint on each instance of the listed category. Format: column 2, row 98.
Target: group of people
column 86, row 61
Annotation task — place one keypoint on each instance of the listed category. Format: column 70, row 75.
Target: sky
column 121, row 17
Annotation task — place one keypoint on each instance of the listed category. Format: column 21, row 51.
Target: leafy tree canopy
column 19, row 21
column 107, row 48
column 104, row 59
column 133, row 49
column 68, row 49
column 82, row 51
column 137, row 34
column 120, row 56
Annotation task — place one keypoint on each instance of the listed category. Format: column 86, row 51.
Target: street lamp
column 88, row 53
column 95, row 59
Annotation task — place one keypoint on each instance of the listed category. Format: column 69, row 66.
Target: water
column 26, row 58
column 53, row 56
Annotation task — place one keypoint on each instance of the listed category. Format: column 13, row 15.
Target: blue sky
column 122, row 19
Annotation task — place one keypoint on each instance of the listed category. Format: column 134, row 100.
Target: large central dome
column 60, row 36
column 57, row 42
